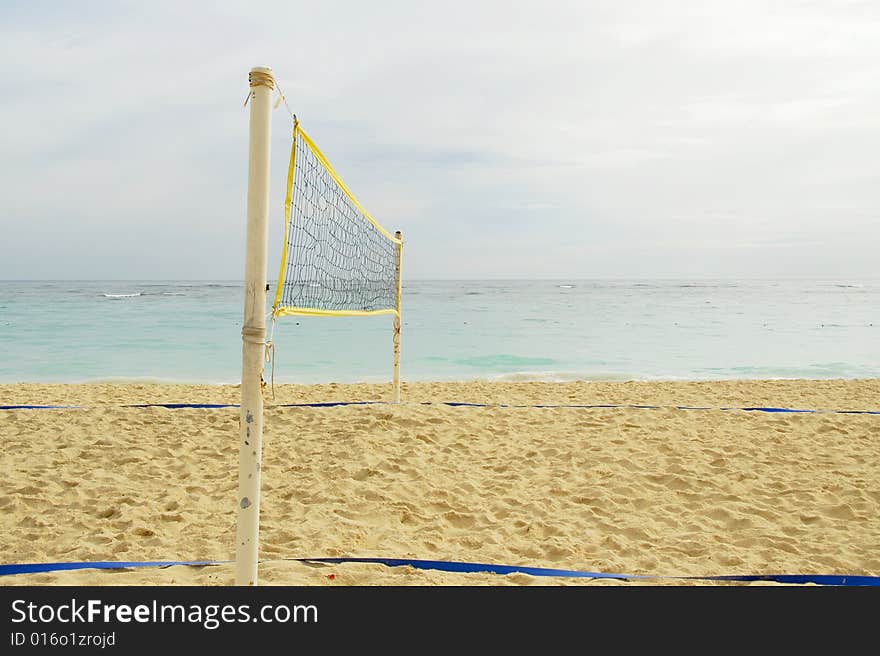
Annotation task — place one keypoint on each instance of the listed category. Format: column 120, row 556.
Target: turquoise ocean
column 556, row 330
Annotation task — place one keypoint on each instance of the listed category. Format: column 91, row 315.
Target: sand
column 664, row 491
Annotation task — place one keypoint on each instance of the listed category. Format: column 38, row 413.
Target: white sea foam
column 121, row 295
column 153, row 380
column 585, row 376
column 561, row 376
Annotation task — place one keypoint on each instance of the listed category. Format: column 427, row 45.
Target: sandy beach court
column 662, row 491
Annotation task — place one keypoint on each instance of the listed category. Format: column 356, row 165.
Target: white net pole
column 397, row 319
column 253, row 332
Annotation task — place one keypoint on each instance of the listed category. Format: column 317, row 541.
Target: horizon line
column 457, row 279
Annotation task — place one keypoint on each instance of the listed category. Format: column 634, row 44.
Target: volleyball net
column 336, row 259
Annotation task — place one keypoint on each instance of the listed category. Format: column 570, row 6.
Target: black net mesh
column 338, row 260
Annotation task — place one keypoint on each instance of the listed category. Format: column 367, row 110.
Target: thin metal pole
column 397, row 320
column 253, row 332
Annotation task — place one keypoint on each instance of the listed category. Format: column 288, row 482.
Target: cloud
column 501, row 137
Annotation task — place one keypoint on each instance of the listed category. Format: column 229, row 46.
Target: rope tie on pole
column 260, row 79
column 253, row 335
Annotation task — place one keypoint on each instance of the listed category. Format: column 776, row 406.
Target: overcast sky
column 618, row 139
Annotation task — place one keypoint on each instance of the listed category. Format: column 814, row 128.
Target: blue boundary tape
column 36, row 568
column 177, row 406
column 461, row 568
column 453, row 404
